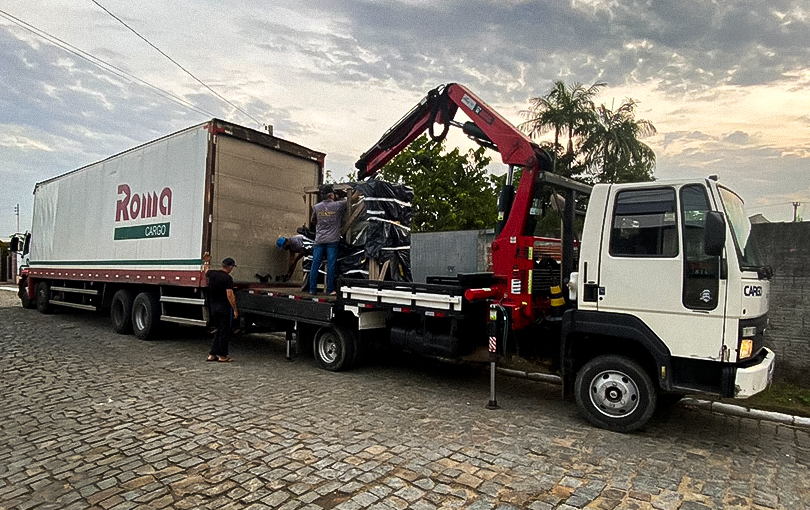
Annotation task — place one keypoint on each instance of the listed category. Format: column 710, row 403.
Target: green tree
column 565, row 109
column 451, row 191
column 612, row 149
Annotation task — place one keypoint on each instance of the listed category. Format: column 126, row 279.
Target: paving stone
column 101, row 420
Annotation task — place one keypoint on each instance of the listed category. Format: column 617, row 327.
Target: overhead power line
column 779, row 204
column 101, row 64
column 173, row 61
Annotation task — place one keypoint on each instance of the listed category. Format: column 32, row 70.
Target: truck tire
column 334, row 348
column 121, row 312
column 25, row 299
column 145, row 315
column 43, row 297
column 615, row 393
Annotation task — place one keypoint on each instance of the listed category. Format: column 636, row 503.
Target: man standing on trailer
column 222, row 302
column 328, row 217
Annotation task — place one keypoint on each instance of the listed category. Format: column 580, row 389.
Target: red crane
column 512, row 249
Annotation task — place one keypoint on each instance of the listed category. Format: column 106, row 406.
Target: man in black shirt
column 222, row 303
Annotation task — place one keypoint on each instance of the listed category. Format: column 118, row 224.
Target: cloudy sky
column 725, row 82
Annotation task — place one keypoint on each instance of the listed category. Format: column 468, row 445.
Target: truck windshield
column 740, row 229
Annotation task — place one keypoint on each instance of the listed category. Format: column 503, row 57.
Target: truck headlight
column 746, row 348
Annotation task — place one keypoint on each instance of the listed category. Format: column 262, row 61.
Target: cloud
column 737, row 138
column 722, row 81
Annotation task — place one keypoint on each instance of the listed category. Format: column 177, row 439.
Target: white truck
column 664, row 296
column 128, row 234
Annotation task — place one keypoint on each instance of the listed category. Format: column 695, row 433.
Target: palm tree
column 611, row 146
column 565, row 109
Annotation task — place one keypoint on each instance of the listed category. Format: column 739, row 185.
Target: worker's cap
column 280, row 242
column 228, row 262
column 326, row 189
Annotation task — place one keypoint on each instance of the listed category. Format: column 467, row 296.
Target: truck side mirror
column 714, row 233
column 15, row 244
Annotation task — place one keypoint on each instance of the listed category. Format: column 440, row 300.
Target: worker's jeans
column 221, row 319
column 331, row 266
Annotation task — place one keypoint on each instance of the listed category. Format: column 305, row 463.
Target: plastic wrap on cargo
column 383, row 234
column 399, row 264
column 376, row 240
column 393, row 202
column 353, row 263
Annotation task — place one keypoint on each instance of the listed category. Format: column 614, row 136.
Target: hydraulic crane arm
column 439, row 107
column 512, row 249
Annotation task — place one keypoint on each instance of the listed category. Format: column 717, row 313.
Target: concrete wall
column 449, row 253
column 786, row 248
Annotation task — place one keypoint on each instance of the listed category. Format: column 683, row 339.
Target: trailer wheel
column 25, row 299
column 145, row 315
column 334, row 348
column 43, row 297
column 615, row 393
column 121, row 312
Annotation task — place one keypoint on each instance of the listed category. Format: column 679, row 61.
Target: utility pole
column 795, row 207
column 17, row 212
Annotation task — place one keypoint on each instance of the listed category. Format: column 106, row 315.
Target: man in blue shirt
column 295, row 245
column 328, row 218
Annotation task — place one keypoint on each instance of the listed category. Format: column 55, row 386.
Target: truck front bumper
column 754, row 379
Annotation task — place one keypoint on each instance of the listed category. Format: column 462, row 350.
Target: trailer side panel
column 137, row 214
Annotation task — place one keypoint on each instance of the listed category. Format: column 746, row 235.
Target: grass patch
column 781, row 398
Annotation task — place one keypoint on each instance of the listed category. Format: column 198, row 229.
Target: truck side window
column 701, row 281
column 645, row 224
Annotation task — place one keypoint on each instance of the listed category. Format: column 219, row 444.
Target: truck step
column 182, row 300
column 183, row 320
column 91, row 292
column 73, row 305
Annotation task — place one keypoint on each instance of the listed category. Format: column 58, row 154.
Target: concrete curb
column 745, row 412
column 708, row 405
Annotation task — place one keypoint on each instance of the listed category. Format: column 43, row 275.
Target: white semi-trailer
column 128, row 234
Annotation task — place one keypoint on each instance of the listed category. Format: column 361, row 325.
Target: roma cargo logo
column 133, row 206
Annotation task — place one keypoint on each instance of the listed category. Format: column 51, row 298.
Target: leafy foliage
column 565, row 110
column 451, row 191
column 603, row 144
column 613, row 151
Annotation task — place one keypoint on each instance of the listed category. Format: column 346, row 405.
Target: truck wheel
column 615, row 393
column 121, row 312
column 145, row 315
column 43, row 297
column 25, row 299
column 334, row 348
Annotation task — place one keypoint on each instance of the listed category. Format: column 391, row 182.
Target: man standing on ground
column 222, row 302
column 328, row 217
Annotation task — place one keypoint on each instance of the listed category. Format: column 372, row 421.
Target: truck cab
column 668, row 289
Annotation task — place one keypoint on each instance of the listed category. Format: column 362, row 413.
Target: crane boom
column 512, row 259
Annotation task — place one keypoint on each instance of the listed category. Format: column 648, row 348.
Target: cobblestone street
column 91, row 419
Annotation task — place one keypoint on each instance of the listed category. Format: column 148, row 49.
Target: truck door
column 655, row 268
